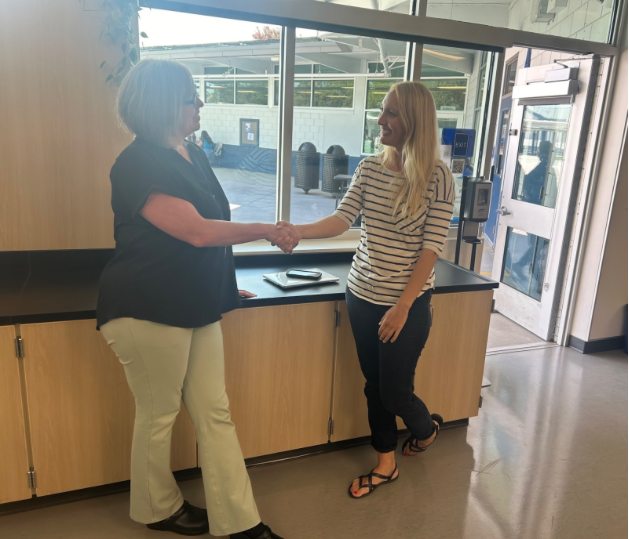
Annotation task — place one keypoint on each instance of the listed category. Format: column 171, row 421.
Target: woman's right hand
column 283, row 235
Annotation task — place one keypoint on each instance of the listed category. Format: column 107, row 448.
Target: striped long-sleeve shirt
column 390, row 246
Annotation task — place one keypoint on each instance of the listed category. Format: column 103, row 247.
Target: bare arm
column 423, row 268
column 180, row 219
column 394, row 319
column 325, row 228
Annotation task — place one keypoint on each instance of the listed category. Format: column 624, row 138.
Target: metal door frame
column 540, row 317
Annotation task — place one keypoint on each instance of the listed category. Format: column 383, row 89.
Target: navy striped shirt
column 390, row 246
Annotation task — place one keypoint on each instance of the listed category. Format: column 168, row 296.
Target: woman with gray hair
column 161, row 299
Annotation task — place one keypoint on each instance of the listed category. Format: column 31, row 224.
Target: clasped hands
column 285, row 236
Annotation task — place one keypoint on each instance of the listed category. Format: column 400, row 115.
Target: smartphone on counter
column 304, row 274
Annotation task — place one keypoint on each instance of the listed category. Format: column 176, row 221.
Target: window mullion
column 285, row 131
column 493, row 113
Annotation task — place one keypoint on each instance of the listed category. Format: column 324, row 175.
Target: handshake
column 283, row 235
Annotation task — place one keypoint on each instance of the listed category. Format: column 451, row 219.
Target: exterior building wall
column 588, row 20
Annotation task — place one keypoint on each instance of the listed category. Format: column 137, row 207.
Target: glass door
column 547, row 133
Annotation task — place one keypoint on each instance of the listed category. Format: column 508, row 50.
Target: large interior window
column 340, row 82
column 338, row 131
column 234, row 72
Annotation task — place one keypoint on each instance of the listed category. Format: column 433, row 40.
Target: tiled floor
column 504, row 332
column 545, row 459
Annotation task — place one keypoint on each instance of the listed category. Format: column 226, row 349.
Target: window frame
column 417, row 29
column 512, row 61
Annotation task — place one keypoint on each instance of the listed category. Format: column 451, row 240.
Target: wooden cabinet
column 278, row 363
column 13, row 453
column 59, row 135
column 449, row 373
column 82, row 411
column 287, row 368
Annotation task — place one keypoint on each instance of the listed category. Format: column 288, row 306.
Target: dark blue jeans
column 389, row 369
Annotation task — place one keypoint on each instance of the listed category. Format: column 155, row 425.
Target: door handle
column 503, row 210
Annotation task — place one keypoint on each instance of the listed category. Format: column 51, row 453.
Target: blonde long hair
column 420, row 151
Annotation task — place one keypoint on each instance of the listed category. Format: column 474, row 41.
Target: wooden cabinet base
column 278, row 370
column 81, row 409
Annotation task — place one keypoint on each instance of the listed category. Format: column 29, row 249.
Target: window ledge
column 333, row 245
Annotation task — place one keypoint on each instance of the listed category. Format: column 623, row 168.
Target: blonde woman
column 405, row 196
column 161, row 299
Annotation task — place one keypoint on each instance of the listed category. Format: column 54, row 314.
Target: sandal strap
column 369, row 485
column 385, row 477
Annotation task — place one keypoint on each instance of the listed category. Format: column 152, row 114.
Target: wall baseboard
column 597, row 345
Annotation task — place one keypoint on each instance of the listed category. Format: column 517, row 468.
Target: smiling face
column 392, row 132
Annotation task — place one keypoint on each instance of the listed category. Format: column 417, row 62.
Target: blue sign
column 448, row 135
column 461, row 142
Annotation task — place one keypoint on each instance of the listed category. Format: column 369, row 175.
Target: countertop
column 65, row 286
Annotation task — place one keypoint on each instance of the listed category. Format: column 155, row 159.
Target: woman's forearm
column 215, row 233
column 325, row 228
column 180, row 219
column 423, row 268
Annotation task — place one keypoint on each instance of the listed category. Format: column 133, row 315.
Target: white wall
column 611, row 296
column 595, row 316
column 588, row 20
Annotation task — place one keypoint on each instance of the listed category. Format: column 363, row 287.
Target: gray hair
column 150, row 99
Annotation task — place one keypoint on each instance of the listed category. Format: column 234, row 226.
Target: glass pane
column 348, row 84
column 376, row 90
column 589, row 20
column 333, row 93
column 511, row 72
column 504, row 131
column 219, row 91
column 457, row 79
column 302, row 93
column 540, row 155
column 449, row 94
column 524, row 262
column 222, row 55
column 252, row 92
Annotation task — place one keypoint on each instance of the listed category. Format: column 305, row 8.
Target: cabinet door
column 82, row 411
column 13, row 454
column 278, row 363
column 449, row 372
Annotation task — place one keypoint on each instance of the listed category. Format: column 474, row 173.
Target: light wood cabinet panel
column 82, row 410
column 449, row 373
column 59, row 135
column 13, row 453
column 278, row 363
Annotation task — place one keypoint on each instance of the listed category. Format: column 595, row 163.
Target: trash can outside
column 335, row 162
column 307, row 167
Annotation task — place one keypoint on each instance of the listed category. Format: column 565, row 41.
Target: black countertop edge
column 54, row 296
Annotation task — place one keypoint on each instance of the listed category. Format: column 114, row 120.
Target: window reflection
column 541, row 154
column 525, row 262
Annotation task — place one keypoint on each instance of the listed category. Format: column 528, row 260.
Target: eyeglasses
column 192, row 101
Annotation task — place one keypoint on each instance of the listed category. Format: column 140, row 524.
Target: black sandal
column 411, row 441
column 387, row 479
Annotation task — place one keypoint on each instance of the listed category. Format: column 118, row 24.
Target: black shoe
column 266, row 534
column 189, row 520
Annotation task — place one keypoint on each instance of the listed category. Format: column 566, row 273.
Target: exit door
column 548, row 129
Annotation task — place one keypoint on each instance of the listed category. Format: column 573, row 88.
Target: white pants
column 164, row 364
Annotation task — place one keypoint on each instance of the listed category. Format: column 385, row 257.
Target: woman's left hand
column 392, row 323
column 245, row 294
